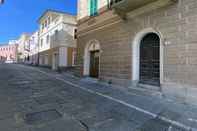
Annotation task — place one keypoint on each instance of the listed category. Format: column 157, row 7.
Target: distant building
column 11, row 42
column 33, row 48
column 57, row 44
column 8, row 53
column 23, row 47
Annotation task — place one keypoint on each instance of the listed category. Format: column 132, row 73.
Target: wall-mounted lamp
column 166, row 42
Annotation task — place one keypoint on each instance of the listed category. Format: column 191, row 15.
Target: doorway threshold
column 90, row 80
column 149, row 87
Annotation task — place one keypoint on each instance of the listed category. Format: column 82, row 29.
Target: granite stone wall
column 177, row 26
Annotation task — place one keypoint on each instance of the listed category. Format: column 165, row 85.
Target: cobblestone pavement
column 32, row 100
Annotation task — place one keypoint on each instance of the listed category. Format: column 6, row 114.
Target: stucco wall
column 8, row 53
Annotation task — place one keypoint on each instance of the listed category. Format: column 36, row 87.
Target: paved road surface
column 33, row 101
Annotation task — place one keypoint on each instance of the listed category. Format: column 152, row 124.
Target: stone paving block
column 61, row 125
column 8, row 110
column 9, row 124
column 96, row 118
column 70, row 108
column 49, row 100
column 28, row 106
column 76, row 106
column 154, row 125
column 115, row 125
column 42, row 117
column 85, row 114
column 174, row 128
column 140, row 117
column 170, row 114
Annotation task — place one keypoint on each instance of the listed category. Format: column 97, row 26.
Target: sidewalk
column 147, row 102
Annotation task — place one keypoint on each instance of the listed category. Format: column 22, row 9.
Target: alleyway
column 32, row 100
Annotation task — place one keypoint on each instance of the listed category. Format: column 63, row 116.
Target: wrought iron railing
column 112, row 2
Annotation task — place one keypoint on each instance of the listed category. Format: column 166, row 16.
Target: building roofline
column 55, row 11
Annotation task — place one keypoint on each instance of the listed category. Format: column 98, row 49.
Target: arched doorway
column 92, row 59
column 150, row 59
column 144, row 44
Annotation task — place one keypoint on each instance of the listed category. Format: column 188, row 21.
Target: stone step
column 150, row 87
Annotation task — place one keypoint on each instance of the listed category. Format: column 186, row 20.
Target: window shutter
column 90, row 7
column 93, row 7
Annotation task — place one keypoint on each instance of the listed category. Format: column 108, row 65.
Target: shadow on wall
column 62, row 38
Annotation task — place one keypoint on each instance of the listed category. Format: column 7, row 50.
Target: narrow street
column 31, row 100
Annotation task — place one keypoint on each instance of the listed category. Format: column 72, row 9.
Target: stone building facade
column 144, row 43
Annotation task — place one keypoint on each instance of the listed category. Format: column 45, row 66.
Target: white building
column 12, row 42
column 33, row 48
column 22, row 47
column 57, row 44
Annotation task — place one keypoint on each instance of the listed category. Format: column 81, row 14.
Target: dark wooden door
column 94, row 64
column 150, row 60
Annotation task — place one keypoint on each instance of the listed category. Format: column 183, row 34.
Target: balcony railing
column 124, row 6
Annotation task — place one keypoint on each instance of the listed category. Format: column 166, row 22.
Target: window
column 75, row 33
column 45, row 23
column 33, row 39
column 93, row 7
column 56, row 20
column 49, row 20
column 56, row 34
column 42, row 26
column 41, row 42
column 48, row 39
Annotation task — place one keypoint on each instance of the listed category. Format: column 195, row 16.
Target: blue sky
column 18, row 16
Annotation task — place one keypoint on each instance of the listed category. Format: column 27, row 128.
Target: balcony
column 125, row 6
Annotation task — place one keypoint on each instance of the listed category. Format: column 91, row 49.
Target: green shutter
column 93, row 5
